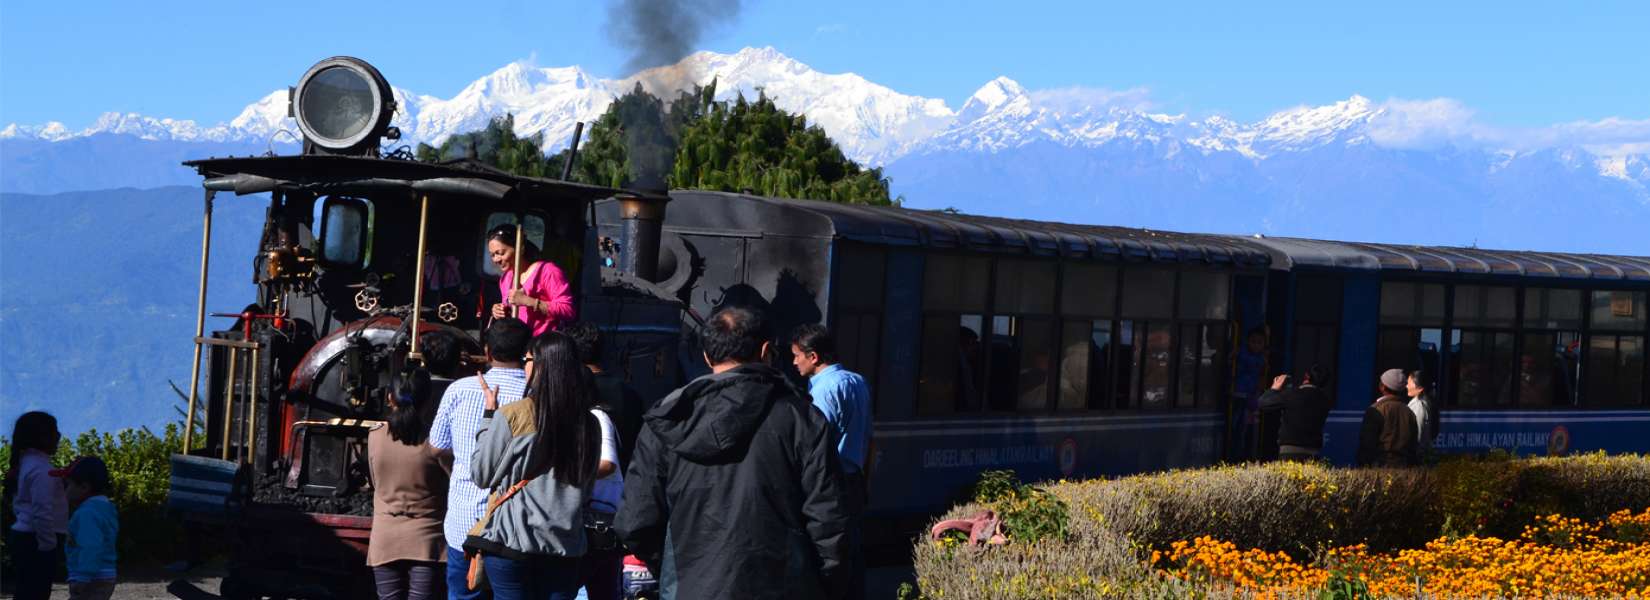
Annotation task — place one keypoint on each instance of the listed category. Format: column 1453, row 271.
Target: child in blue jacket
column 93, row 528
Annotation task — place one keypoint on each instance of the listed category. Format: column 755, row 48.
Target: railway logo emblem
column 1559, row 442
column 1068, row 456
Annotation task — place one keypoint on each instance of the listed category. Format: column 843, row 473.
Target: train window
column 1154, row 352
column 861, row 272
column 1407, row 303
column 857, row 337
column 1548, row 368
column 1203, row 295
column 952, row 369
column 955, row 283
column 1483, row 365
column 1479, row 306
column 1615, row 370
column 1024, row 287
column 346, row 231
column 1197, row 366
column 1148, row 293
column 1123, row 384
column 1088, row 290
column 1021, row 363
column 533, row 233
column 1552, row 309
column 1318, row 300
column 1085, row 373
column 1618, row 311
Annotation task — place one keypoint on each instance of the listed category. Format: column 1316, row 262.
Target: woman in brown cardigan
column 409, row 496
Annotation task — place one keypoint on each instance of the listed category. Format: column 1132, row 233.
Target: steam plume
column 662, row 32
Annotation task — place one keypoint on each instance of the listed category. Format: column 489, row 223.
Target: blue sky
column 1514, row 64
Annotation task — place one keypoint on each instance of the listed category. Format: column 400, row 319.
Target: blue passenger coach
column 1530, row 352
column 1071, row 351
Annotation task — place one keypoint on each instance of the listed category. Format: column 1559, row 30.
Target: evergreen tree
column 698, row 143
column 754, row 146
column 496, row 145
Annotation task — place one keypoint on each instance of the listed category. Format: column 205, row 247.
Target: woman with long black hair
column 540, row 457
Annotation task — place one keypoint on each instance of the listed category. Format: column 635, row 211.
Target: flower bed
column 1292, row 529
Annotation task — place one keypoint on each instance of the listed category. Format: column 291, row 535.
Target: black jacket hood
column 714, row 416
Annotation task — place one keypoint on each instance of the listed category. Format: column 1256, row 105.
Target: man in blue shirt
column 845, row 399
column 456, row 423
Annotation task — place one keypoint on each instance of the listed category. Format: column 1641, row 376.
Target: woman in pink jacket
column 544, row 300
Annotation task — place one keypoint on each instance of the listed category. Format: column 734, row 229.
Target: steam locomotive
column 1052, row 349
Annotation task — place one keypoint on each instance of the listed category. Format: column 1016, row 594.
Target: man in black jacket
column 735, row 489
column 1305, row 409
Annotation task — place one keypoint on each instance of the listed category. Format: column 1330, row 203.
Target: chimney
column 643, row 217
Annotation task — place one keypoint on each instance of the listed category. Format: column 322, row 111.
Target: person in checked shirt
column 457, row 422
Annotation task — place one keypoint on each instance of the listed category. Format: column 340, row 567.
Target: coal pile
column 270, row 489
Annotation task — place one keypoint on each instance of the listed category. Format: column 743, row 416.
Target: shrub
column 1279, row 513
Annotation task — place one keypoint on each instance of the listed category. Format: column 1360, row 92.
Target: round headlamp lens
column 337, row 103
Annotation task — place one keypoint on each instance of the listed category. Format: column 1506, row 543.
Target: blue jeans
column 458, row 585
column 536, row 578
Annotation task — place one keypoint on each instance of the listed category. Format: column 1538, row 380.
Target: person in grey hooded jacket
column 735, row 489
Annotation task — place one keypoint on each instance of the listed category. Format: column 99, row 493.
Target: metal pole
column 200, row 325
column 228, row 401
column 418, row 279
column 515, row 271
column 252, row 411
column 572, row 152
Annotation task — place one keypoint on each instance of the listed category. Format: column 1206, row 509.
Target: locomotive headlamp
column 343, row 106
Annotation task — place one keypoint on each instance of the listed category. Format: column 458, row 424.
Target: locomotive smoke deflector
column 642, row 217
column 343, row 106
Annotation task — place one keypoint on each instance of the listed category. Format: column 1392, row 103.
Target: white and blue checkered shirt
column 457, row 423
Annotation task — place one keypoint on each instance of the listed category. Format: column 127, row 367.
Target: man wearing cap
column 93, row 528
column 1389, row 436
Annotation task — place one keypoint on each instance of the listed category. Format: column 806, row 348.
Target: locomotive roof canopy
column 325, row 174
column 893, row 226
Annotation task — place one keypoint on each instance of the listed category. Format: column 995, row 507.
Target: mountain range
column 1395, row 170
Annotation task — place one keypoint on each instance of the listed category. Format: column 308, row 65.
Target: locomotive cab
column 361, row 255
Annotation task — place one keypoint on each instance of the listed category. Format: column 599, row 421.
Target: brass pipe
column 418, row 279
column 200, row 325
column 228, row 401
column 252, row 412
column 515, row 256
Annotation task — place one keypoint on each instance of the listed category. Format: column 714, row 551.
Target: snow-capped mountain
column 873, row 123
column 1071, row 154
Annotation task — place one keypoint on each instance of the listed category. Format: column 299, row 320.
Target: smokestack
column 643, row 218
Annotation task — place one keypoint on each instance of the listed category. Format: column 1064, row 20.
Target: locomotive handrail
column 229, row 343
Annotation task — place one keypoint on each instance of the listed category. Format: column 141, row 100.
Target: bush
column 139, row 469
column 1115, row 526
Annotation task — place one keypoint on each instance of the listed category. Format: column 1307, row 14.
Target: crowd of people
column 1398, row 429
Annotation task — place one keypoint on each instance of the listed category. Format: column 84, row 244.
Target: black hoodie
column 735, row 491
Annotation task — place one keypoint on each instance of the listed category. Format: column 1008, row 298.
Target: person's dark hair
column 569, row 437
column 1421, row 379
column 441, row 353
column 588, row 339
column 507, row 339
column 1318, row 374
column 33, row 430
column 506, row 234
column 734, row 335
column 815, row 338
column 413, row 410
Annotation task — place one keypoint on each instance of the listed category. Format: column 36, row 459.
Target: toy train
column 1056, row 350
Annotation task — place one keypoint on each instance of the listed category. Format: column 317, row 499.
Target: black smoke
column 662, row 32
